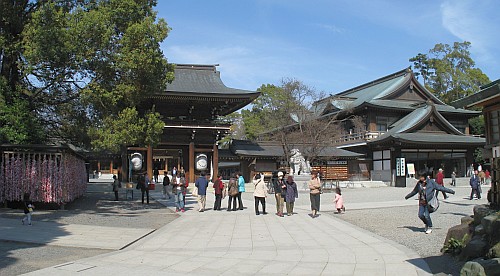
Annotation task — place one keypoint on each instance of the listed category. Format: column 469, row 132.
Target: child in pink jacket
column 339, row 201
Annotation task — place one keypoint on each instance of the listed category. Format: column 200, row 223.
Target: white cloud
column 473, row 21
column 331, row 28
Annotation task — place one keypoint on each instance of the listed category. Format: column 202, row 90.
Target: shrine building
column 191, row 108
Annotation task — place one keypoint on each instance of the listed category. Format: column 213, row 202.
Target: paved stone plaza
column 226, row 243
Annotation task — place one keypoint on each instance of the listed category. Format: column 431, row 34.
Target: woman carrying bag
column 260, row 193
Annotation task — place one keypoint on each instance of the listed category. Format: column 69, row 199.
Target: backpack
column 233, row 188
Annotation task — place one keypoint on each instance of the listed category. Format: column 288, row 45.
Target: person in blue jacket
column 426, row 189
column 241, row 189
column 202, row 184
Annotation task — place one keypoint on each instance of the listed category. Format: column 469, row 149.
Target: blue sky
column 331, row 45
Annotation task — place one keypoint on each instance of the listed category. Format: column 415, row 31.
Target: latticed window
column 494, row 129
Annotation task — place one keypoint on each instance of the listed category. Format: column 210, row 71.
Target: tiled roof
column 377, row 92
column 403, row 129
column 250, row 148
column 410, row 105
column 203, row 79
column 440, row 138
column 487, row 92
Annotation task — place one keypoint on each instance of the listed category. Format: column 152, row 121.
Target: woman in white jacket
column 260, row 193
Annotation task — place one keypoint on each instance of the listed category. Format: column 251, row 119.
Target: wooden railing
column 358, row 137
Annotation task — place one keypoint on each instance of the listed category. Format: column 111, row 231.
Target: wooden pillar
column 111, row 167
column 191, row 161
column 149, row 162
column 98, row 166
column 215, row 161
column 166, row 164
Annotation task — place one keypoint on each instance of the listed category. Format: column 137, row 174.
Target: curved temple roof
column 203, row 79
column 383, row 92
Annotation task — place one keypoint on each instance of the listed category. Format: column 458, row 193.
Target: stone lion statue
column 298, row 164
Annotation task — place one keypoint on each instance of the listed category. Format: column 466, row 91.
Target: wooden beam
column 215, row 160
column 191, row 161
column 149, row 162
column 203, row 150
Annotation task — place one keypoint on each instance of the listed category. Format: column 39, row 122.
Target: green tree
column 449, row 71
column 477, row 125
column 79, row 64
column 272, row 109
column 127, row 128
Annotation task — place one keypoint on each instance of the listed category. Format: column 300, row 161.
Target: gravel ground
column 96, row 207
column 401, row 224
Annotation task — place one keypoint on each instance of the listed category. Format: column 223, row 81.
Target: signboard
column 411, row 168
column 400, row 167
column 336, row 162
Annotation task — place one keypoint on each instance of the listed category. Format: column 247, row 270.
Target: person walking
column 487, row 177
column 260, row 193
column 279, row 186
column 453, row 179
column 232, row 191
column 143, row 182
column 116, row 186
column 291, row 193
column 440, row 181
column 156, row 173
column 241, row 189
column 166, row 185
column 28, row 209
column 426, row 190
column 218, row 189
column 178, row 189
column 339, row 201
column 475, row 186
column 482, row 177
column 314, row 194
column 202, row 183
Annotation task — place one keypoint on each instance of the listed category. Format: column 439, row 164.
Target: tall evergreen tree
column 72, row 66
column 449, row 71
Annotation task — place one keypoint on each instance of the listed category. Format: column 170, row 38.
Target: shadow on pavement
column 414, row 229
column 444, row 265
column 33, row 237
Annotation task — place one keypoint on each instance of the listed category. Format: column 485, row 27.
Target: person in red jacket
column 440, row 181
column 218, row 188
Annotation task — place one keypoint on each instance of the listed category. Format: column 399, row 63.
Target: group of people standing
column 285, row 193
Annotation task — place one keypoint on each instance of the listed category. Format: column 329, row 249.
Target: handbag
column 151, row 187
column 195, row 191
column 433, row 204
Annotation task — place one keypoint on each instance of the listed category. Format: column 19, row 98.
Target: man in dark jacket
column 143, row 182
column 475, row 185
column 202, row 184
column 426, row 189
